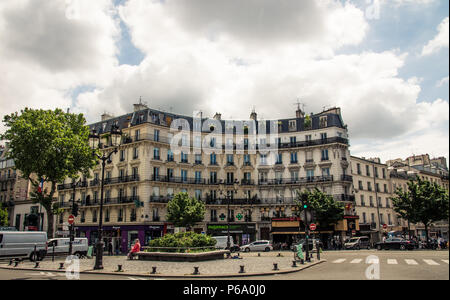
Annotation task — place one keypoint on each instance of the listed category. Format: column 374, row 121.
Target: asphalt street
column 340, row 265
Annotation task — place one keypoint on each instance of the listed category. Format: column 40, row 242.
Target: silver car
column 258, row 246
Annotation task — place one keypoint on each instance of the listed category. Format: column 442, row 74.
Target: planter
column 182, row 257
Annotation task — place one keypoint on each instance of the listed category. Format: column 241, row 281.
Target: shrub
column 182, row 240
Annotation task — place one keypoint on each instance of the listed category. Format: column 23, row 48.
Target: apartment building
column 216, row 167
column 15, row 195
column 373, row 192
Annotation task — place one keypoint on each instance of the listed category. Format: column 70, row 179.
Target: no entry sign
column 71, row 219
column 312, row 227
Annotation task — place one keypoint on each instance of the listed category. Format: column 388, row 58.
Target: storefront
column 121, row 237
column 285, row 230
column 242, row 234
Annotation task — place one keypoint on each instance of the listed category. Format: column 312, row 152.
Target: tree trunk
column 50, row 222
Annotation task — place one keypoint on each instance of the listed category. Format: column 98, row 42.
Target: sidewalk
column 254, row 265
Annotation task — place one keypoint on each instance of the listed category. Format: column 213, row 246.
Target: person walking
column 135, row 249
column 110, row 248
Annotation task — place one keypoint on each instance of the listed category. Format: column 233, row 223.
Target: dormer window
column 293, row 125
column 323, row 122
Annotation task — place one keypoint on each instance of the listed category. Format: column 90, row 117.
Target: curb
column 293, row 270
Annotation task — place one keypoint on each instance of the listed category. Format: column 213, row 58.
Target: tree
column 50, row 146
column 424, row 202
column 184, row 211
column 327, row 211
column 4, row 222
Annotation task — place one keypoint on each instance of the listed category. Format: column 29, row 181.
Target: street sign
column 71, row 219
column 385, row 226
column 312, row 227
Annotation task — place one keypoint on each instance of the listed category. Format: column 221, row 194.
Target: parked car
column 303, row 242
column 396, row 243
column 222, row 243
column 357, row 243
column 79, row 246
column 21, row 244
column 258, row 246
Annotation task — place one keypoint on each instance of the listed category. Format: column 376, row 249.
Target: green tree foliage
column 424, row 202
column 48, row 145
column 4, row 222
column 184, row 211
column 327, row 212
column 183, row 240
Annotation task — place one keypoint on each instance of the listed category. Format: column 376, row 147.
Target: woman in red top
column 135, row 249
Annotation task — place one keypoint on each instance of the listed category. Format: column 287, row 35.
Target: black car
column 396, row 243
column 310, row 242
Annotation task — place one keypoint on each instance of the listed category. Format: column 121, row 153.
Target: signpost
column 313, row 227
column 71, row 220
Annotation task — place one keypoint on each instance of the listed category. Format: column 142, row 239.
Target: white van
column 20, row 244
column 79, row 246
column 222, row 243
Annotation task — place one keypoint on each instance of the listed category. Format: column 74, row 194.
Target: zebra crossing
column 392, row 261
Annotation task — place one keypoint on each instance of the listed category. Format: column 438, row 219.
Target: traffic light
column 305, row 201
column 75, row 210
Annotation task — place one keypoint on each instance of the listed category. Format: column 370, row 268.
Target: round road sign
column 71, row 219
column 312, row 227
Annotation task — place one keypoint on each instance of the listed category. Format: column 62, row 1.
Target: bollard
column 35, row 256
column 302, row 261
column 196, row 272
column 294, row 264
column 279, row 255
column 275, row 267
column 153, row 270
column 119, row 268
column 53, row 255
column 61, row 266
column 259, row 254
column 10, row 262
column 37, row 265
column 242, row 269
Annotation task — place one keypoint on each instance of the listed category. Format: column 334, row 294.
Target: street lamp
column 74, row 211
column 228, row 197
column 95, row 143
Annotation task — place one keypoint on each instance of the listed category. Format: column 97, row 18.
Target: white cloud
column 442, row 82
column 440, row 41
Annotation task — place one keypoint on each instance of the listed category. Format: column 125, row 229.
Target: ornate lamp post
column 228, row 197
column 95, row 143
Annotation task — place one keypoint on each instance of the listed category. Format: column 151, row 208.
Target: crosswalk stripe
column 411, row 262
column 131, row 278
column 431, row 262
column 136, row 278
column 392, row 262
column 445, row 260
column 373, row 261
column 338, row 261
column 356, row 261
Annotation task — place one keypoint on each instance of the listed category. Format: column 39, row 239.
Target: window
column 137, row 135
column 230, row 161
column 156, row 135
column 369, row 186
column 309, row 157
column 184, row 175
column 362, row 201
column 379, row 202
column 169, row 155
column 122, row 155
column 120, row 215
column 358, row 167
column 169, row 173
column 279, row 159
column 360, row 185
column 385, row 188
column 198, row 177
column 213, row 215
column 294, row 176
column 213, row 177
column 372, row 216
column 155, row 173
column 135, row 153
column 384, row 173
column 198, row 159
column 377, row 187
column 230, row 178
column 323, row 136
column 184, row 157
column 263, row 159
column 213, row 159
column 107, row 215
column 371, row 201
column 364, row 218
column 308, row 138
column 326, row 172
column 156, row 154
column 323, row 122
column 325, row 155
column 294, row 159
column 376, row 172
column 198, row 194
column 197, row 141
column 367, row 171
column 293, row 140
column 292, row 125
column 310, row 174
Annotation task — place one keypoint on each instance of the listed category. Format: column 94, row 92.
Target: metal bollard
column 196, row 272
column 279, row 255
column 37, row 265
column 275, row 267
column 119, row 268
column 35, row 256
column 53, row 255
column 242, row 269
column 153, row 270
column 294, row 264
column 259, row 254
column 61, row 266
column 302, row 261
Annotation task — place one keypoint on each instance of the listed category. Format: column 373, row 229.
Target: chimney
column 139, row 107
column 218, row 117
column 253, row 115
column 106, row 116
column 299, row 114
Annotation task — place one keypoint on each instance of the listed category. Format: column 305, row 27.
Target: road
column 340, row 265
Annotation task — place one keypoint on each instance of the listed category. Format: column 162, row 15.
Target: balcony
column 346, row 198
column 303, row 180
column 247, row 182
column 180, row 180
column 160, row 199
column 121, row 200
column 347, row 178
column 210, row 201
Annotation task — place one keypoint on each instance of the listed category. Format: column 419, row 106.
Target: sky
column 384, row 62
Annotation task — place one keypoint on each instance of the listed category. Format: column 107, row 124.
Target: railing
column 159, row 199
column 180, row 180
column 233, row 201
column 347, row 178
column 347, row 198
column 68, row 186
column 281, row 181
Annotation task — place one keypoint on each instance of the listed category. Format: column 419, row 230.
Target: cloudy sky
column 384, row 62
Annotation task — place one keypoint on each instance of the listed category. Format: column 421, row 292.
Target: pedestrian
column 117, row 247
column 135, row 249
column 110, row 248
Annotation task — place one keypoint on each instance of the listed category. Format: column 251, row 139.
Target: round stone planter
column 180, row 257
